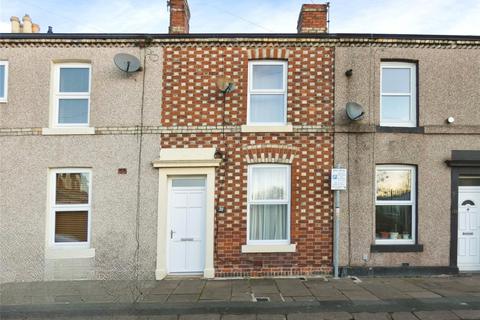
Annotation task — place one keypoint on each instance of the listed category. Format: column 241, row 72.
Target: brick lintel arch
column 274, row 53
column 270, row 153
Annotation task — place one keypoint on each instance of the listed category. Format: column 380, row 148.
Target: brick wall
column 190, row 98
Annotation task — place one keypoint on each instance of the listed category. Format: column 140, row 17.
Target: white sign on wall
column 339, row 179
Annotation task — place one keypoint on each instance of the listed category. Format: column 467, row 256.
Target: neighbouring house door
column 187, row 225
column 468, row 228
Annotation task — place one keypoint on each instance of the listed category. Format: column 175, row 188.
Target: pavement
column 423, row 298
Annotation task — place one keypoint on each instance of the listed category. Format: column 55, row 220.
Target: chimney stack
column 179, row 16
column 26, row 27
column 313, row 18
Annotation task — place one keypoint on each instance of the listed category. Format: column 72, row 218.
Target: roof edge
column 233, row 36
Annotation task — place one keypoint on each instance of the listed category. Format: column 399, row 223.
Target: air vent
column 262, row 299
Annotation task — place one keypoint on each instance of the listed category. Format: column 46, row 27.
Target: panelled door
column 186, row 225
column 469, row 229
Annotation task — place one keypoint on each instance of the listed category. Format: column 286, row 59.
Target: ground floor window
column 395, row 204
column 70, row 207
column 268, row 204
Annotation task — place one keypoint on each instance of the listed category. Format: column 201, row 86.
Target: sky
column 460, row 17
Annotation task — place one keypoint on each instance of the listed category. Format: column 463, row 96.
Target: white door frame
column 467, row 189
column 162, row 224
column 169, row 216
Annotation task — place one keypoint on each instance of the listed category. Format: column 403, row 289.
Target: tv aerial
column 126, row 62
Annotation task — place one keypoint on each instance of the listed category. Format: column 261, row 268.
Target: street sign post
column 338, row 182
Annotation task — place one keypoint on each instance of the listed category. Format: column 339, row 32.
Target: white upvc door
column 469, row 228
column 186, row 234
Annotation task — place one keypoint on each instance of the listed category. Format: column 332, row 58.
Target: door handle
column 467, row 233
column 186, row 239
column 171, row 234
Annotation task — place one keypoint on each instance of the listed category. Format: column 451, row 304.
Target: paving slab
column 293, row 287
column 262, row 286
column 371, row 316
column 163, row 317
column 344, row 284
column 359, row 294
column 183, row 298
column 217, row 290
column 467, row 314
column 164, row 287
column 403, row 316
column 302, row 298
column 69, row 299
column 239, row 317
column 271, row 317
column 422, row 294
column 320, row 316
column 241, row 297
column 384, row 292
column 436, row 315
column 402, row 285
column 200, row 317
column 157, row 298
column 190, row 287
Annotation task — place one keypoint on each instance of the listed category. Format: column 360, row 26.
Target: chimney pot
column 50, row 29
column 27, row 24
column 35, row 28
column 15, row 24
column 179, row 16
column 313, row 18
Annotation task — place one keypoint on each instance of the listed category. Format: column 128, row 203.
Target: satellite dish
column 354, row 111
column 126, row 62
column 225, row 85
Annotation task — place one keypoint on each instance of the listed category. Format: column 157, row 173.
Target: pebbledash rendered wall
column 448, row 80
column 26, row 155
column 196, row 110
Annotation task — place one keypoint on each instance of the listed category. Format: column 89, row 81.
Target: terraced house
column 139, row 156
column 212, row 159
column 412, row 204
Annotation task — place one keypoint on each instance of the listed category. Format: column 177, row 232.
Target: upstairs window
column 72, row 95
column 3, row 81
column 267, row 93
column 268, row 204
column 395, row 204
column 398, row 95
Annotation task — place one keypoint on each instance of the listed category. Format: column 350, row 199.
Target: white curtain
column 269, row 183
column 268, row 221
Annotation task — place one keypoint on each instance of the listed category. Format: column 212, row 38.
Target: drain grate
column 262, row 299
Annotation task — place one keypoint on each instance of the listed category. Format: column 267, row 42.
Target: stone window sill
column 267, row 128
column 68, row 131
column 386, row 129
column 70, row 253
column 396, row 248
column 256, row 248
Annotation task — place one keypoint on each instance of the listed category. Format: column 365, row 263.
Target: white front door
column 468, row 228
column 187, row 225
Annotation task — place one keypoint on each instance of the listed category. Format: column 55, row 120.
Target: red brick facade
column 191, row 101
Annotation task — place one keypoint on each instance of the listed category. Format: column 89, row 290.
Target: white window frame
column 286, row 201
column 5, row 82
column 252, row 91
column 411, row 202
column 57, row 95
column 68, row 207
column 413, row 94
